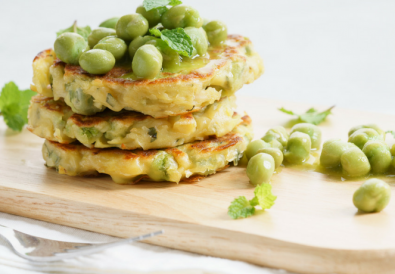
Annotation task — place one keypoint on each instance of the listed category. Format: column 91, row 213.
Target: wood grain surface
column 312, row 228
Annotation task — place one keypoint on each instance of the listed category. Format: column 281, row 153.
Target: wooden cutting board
column 312, row 228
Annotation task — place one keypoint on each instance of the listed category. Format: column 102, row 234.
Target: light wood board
column 312, row 228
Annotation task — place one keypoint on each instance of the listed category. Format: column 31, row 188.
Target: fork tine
column 23, row 245
column 99, row 247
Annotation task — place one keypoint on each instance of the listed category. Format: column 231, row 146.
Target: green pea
column 254, row 146
column 379, row 156
column 372, row 196
column 181, row 16
column 312, row 130
column 52, row 158
column 137, row 43
column 276, row 144
column 332, row 150
column 81, row 102
column 97, row 61
column 153, row 16
column 116, row 46
column 298, row 148
column 372, row 126
column 131, row 26
column 278, row 133
column 171, row 58
column 147, row 62
column 361, row 136
column 217, row 32
column 109, row 23
column 162, row 166
column 89, row 134
column 354, row 162
column 275, row 153
column 69, row 46
column 243, row 161
column 97, row 34
column 260, row 168
column 199, row 40
column 393, row 150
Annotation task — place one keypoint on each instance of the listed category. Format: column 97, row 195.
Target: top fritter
column 170, row 94
column 180, row 65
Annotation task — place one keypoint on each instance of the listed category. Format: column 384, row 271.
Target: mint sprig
column 83, row 31
column 264, row 196
column 243, row 208
column 311, row 116
column 155, row 32
column 240, row 208
column 14, row 104
column 176, row 39
column 154, row 4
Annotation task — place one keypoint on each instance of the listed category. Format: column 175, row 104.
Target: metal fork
column 36, row 249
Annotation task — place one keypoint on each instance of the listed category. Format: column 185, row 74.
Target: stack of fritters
column 173, row 127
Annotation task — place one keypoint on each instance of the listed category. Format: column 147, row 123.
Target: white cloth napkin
column 132, row 258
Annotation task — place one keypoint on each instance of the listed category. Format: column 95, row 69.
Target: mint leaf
column 240, row 208
column 287, row 111
column 314, row 117
column 178, row 40
column 311, row 116
column 264, row 196
column 254, row 201
column 83, row 31
column 153, row 4
column 14, row 104
column 175, row 39
column 311, row 110
column 155, row 32
column 175, row 3
column 90, row 132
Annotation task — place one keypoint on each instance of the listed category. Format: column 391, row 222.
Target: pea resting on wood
column 298, row 148
column 260, row 168
column 372, row 196
column 312, row 130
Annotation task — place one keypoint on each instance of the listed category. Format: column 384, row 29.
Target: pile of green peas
column 265, row 155
column 366, row 151
column 116, row 37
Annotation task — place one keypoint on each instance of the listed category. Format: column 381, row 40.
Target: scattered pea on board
column 298, row 148
column 260, row 168
column 372, row 196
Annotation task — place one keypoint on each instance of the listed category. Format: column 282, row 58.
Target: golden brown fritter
column 200, row 158
column 196, row 84
column 55, row 121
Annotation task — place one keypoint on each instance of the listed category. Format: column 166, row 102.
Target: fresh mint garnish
column 311, row 116
column 83, row 31
column 14, row 104
column 176, row 39
column 242, row 208
column 154, row 4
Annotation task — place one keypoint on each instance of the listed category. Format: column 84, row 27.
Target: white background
column 321, row 52
column 334, row 52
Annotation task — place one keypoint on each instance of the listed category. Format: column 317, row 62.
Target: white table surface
column 338, row 52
